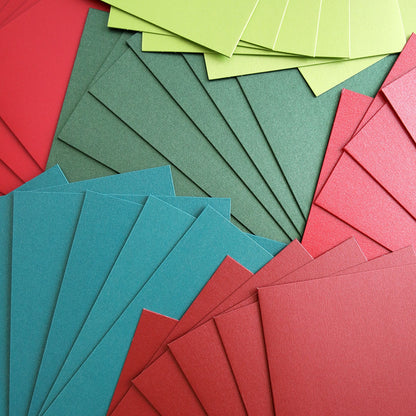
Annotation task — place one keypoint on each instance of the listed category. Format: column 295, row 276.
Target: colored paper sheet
column 121, row 95
column 80, row 287
column 323, row 230
column 376, row 28
column 96, row 127
column 89, row 58
column 400, row 95
column 403, row 64
column 151, row 330
column 247, row 353
column 170, row 291
column 218, row 27
column 13, row 9
column 387, row 152
column 354, row 196
column 333, row 37
column 32, row 88
column 8, row 179
column 178, row 79
column 298, row 30
column 297, row 124
column 201, row 357
column 377, row 306
column 51, row 218
column 232, row 103
column 15, row 156
column 52, row 176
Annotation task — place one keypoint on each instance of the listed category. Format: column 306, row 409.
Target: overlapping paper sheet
column 309, row 35
column 368, row 182
column 248, row 138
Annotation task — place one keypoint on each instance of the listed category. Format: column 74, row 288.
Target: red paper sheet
column 343, row 346
column 13, row 8
column 401, row 94
column 151, row 331
column 354, row 196
column 386, row 151
column 15, row 156
column 8, row 180
column 324, row 230
column 37, row 51
column 229, row 275
column 289, row 259
column 404, row 63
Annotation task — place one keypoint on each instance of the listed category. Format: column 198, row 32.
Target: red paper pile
column 38, row 44
column 367, row 185
column 332, row 335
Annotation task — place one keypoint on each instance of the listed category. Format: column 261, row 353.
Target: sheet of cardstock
column 298, row 30
column 354, row 196
column 178, row 79
column 297, row 124
column 51, row 177
column 247, row 354
column 15, row 155
column 79, row 287
column 272, row 246
column 325, row 76
column 8, row 179
column 151, row 330
column 117, row 83
column 333, row 37
column 400, row 95
column 376, row 28
column 348, row 320
column 89, row 58
column 42, row 224
column 41, row 85
column 384, row 148
column 13, row 8
column 232, row 103
column 218, row 27
column 324, row 230
column 94, row 128
column 103, row 226
column 201, row 357
column 403, row 64
column 169, row 291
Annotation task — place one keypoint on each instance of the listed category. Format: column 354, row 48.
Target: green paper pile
column 329, row 41
column 259, row 139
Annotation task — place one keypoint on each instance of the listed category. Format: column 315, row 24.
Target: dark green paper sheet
column 183, row 86
column 297, row 124
column 121, row 88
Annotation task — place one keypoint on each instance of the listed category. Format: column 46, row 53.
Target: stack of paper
column 80, row 261
column 324, row 323
column 259, row 140
column 329, row 41
column 367, row 183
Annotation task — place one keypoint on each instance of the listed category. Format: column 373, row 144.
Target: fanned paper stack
column 329, row 41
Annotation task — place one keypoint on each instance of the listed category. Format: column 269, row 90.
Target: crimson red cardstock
column 354, row 196
column 8, row 180
column 151, row 331
column 404, row 63
column 387, row 152
column 343, row 346
column 401, row 94
column 37, row 51
column 15, row 155
column 324, row 230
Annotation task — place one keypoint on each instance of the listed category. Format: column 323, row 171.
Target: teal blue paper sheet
column 170, row 290
column 51, row 177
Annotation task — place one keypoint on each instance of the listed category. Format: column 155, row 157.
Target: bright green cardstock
column 179, row 81
column 217, row 25
column 297, row 124
column 129, row 89
column 232, row 103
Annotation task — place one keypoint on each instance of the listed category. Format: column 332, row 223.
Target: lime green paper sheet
column 217, row 25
